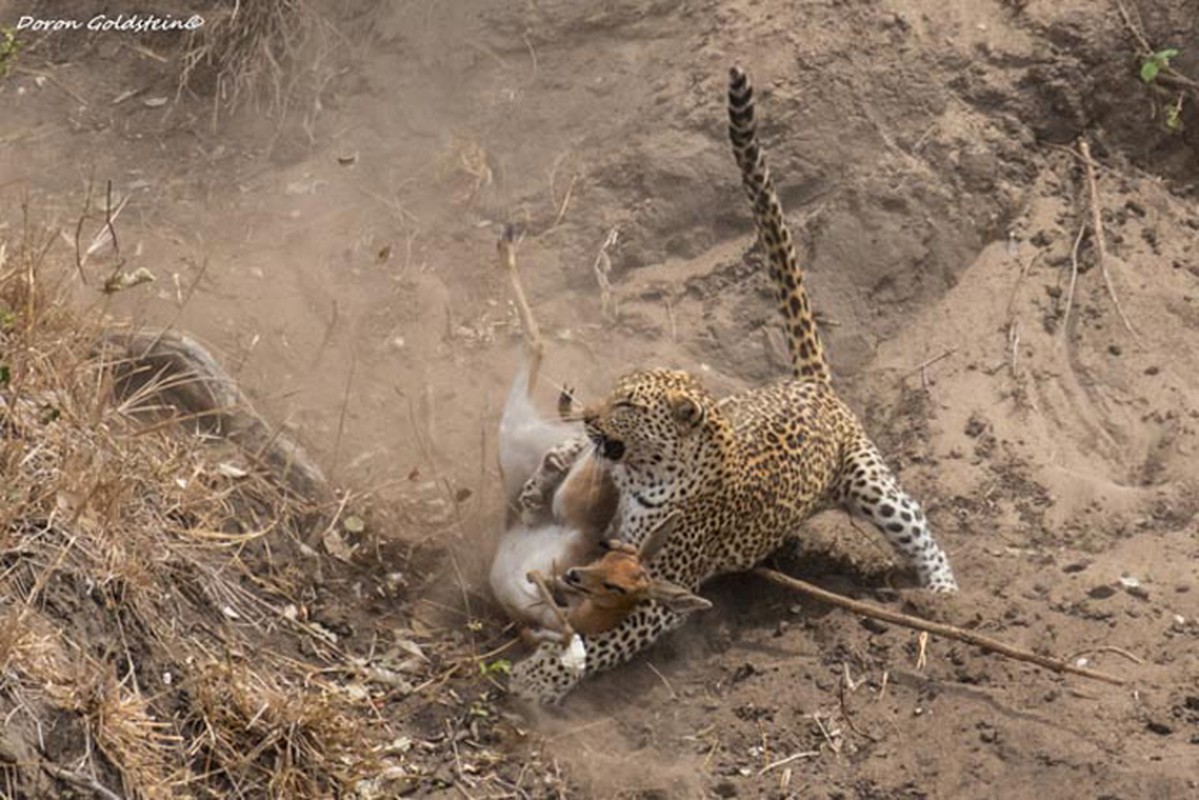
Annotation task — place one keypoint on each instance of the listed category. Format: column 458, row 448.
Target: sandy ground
column 341, row 263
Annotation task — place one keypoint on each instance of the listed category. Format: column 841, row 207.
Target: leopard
column 743, row 473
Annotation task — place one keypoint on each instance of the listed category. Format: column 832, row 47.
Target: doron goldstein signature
column 124, row 23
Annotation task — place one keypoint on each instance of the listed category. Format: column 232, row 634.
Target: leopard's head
column 656, row 429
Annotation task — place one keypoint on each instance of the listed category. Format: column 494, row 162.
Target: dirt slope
column 924, row 153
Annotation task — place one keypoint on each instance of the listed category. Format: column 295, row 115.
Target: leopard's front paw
column 546, row 676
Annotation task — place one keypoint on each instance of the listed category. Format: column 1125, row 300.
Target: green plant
column 8, row 50
column 1174, row 115
column 1156, row 62
column 498, row 667
column 1151, row 68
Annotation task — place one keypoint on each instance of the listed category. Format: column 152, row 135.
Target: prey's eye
column 612, row 587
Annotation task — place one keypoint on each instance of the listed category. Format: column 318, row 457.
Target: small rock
column 725, row 789
column 975, row 427
column 1115, row 349
column 1077, row 566
column 742, row 672
column 1043, row 238
column 1133, row 586
column 1101, row 592
column 1158, row 727
column 874, row 625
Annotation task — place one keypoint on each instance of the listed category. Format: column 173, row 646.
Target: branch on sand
column 936, row 628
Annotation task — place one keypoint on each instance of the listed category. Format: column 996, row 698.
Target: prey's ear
column 657, row 537
column 688, row 414
column 676, row 598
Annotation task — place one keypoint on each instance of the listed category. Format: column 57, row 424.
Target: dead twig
column 87, row 206
column 570, row 188
column 1020, row 279
column 784, row 761
column 937, row 628
column 674, row 328
column 1013, row 340
column 1107, row 648
column 847, row 682
column 929, row 362
column 80, row 781
column 1134, row 28
column 673, row 694
column 548, row 598
column 924, row 365
column 603, row 270
column 1097, row 231
column 1073, row 279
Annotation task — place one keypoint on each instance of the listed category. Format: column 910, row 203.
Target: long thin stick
column 1073, row 280
column 937, row 628
column 548, row 597
column 1097, row 230
column 929, row 362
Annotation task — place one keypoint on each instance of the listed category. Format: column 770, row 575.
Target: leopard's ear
column 688, row 414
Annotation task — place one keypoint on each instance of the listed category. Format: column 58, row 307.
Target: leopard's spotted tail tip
column 741, row 96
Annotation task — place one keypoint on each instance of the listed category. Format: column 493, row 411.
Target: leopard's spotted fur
column 744, row 472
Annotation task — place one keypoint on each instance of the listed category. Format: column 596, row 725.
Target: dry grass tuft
column 296, row 741
column 137, row 571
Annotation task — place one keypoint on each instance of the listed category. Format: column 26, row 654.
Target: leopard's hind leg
column 869, row 489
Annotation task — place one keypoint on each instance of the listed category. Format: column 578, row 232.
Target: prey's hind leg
column 536, row 496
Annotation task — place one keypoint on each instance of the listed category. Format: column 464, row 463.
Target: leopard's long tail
column 803, row 339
